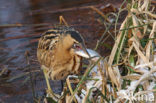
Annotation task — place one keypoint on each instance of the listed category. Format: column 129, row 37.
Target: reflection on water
column 12, row 52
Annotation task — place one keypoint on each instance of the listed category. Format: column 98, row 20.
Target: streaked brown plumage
column 56, row 52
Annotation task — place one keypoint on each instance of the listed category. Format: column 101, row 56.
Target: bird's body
column 56, row 54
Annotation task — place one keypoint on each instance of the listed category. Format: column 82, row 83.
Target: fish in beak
column 87, row 53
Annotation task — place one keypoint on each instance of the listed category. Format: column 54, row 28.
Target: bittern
column 57, row 53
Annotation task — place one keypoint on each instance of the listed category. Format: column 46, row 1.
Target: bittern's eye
column 76, row 46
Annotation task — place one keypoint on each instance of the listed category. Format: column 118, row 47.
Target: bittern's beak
column 82, row 51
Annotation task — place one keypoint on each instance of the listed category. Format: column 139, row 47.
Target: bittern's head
column 73, row 41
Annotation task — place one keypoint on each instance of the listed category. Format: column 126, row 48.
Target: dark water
column 30, row 19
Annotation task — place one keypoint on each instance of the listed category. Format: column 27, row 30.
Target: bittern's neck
column 63, row 51
column 62, row 54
